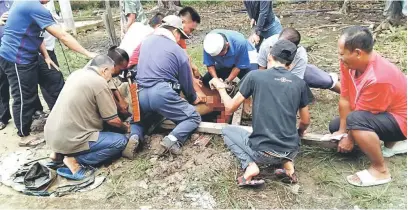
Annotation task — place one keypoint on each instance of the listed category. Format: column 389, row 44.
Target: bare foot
column 72, row 164
column 289, row 168
column 56, row 156
column 251, row 171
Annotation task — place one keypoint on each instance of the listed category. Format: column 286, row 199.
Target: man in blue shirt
column 19, row 60
column 164, row 71
column 227, row 54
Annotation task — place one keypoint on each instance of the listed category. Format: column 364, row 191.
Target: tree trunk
column 67, row 17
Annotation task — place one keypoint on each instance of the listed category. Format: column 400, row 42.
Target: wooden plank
column 215, row 128
column 236, row 118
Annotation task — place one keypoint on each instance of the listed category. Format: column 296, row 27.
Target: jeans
column 108, row 146
column 163, row 100
column 237, row 140
column 274, row 28
column 317, row 78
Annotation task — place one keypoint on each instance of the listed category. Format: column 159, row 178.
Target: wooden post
column 108, row 20
column 67, row 17
column 122, row 19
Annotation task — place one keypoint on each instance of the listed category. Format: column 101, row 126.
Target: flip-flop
column 3, row 125
column 81, row 174
column 242, row 182
column 398, row 148
column 366, row 179
column 281, row 174
column 32, row 143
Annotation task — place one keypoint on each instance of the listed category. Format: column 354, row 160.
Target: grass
column 73, row 61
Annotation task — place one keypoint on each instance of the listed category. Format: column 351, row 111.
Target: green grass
column 74, row 60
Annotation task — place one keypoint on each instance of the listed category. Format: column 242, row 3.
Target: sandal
column 242, row 182
column 34, row 141
column 366, row 179
column 80, row 175
column 281, row 174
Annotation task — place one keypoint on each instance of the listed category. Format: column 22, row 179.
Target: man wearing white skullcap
column 227, row 54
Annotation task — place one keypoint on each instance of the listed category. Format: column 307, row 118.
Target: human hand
column 198, row 82
column 345, row 145
column 254, row 39
column 253, row 22
column 200, row 99
column 50, row 63
column 217, row 83
column 91, row 54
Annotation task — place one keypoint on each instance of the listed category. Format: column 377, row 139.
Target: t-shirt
column 237, row 54
column 182, row 43
column 169, row 64
column 135, row 7
column 134, row 36
column 277, row 96
column 49, row 39
column 24, row 31
column 381, row 88
column 4, row 7
column 77, row 117
column 299, row 62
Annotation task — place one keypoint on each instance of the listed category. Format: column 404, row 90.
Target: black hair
column 358, row 37
column 280, row 60
column 102, row 60
column 118, row 55
column 291, row 34
column 156, row 19
column 170, row 28
column 195, row 17
column 225, row 40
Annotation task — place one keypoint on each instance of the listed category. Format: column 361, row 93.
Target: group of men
column 88, row 123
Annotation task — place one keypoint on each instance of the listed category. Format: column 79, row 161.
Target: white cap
column 213, row 44
column 176, row 22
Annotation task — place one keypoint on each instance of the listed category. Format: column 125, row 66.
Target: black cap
column 284, row 50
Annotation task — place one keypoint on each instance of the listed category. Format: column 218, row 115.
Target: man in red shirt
column 372, row 106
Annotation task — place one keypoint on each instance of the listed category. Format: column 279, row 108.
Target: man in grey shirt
column 313, row 76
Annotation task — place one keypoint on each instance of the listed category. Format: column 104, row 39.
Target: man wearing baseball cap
column 227, row 54
column 277, row 97
column 163, row 72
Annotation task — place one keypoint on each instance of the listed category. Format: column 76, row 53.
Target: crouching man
column 74, row 126
column 372, row 106
column 164, row 71
column 277, row 97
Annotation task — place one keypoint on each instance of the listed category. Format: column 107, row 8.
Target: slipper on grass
column 281, row 174
column 81, row 174
column 366, row 179
column 242, row 182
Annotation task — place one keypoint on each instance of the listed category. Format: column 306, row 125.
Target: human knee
column 120, row 141
column 334, row 125
column 196, row 118
column 356, row 118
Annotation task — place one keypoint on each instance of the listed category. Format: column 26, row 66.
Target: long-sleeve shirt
column 162, row 60
column 261, row 12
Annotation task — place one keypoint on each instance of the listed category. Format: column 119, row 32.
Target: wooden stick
column 215, row 128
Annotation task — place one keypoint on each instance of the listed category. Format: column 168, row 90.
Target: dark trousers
column 383, row 124
column 23, row 80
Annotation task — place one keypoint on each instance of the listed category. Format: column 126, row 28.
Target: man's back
column 277, row 96
column 77, row 117
column 136, row 33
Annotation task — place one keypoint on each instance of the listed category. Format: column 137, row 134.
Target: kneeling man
column 74, row 126
column 277, row 97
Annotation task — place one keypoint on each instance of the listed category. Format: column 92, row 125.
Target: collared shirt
column 24, row 31
column 77, row 117
column 299, row 62
column 162, row 60
column 261, row 12
column 381, row 88
column 237, row 54
column 134, row 7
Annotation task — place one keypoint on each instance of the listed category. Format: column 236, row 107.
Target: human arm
column 304, row 120
column 120, row 102
column 130, row 20
column 47, row 58
column 186, row 82
column 231, row 104
column 68, row 40
column 108, row 110
column 234, row 73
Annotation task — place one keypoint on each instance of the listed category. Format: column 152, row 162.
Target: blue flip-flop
column 81, row 174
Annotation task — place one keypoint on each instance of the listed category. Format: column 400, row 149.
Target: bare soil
column 205, row 177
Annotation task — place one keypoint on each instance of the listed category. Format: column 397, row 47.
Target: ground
column 205, row 177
